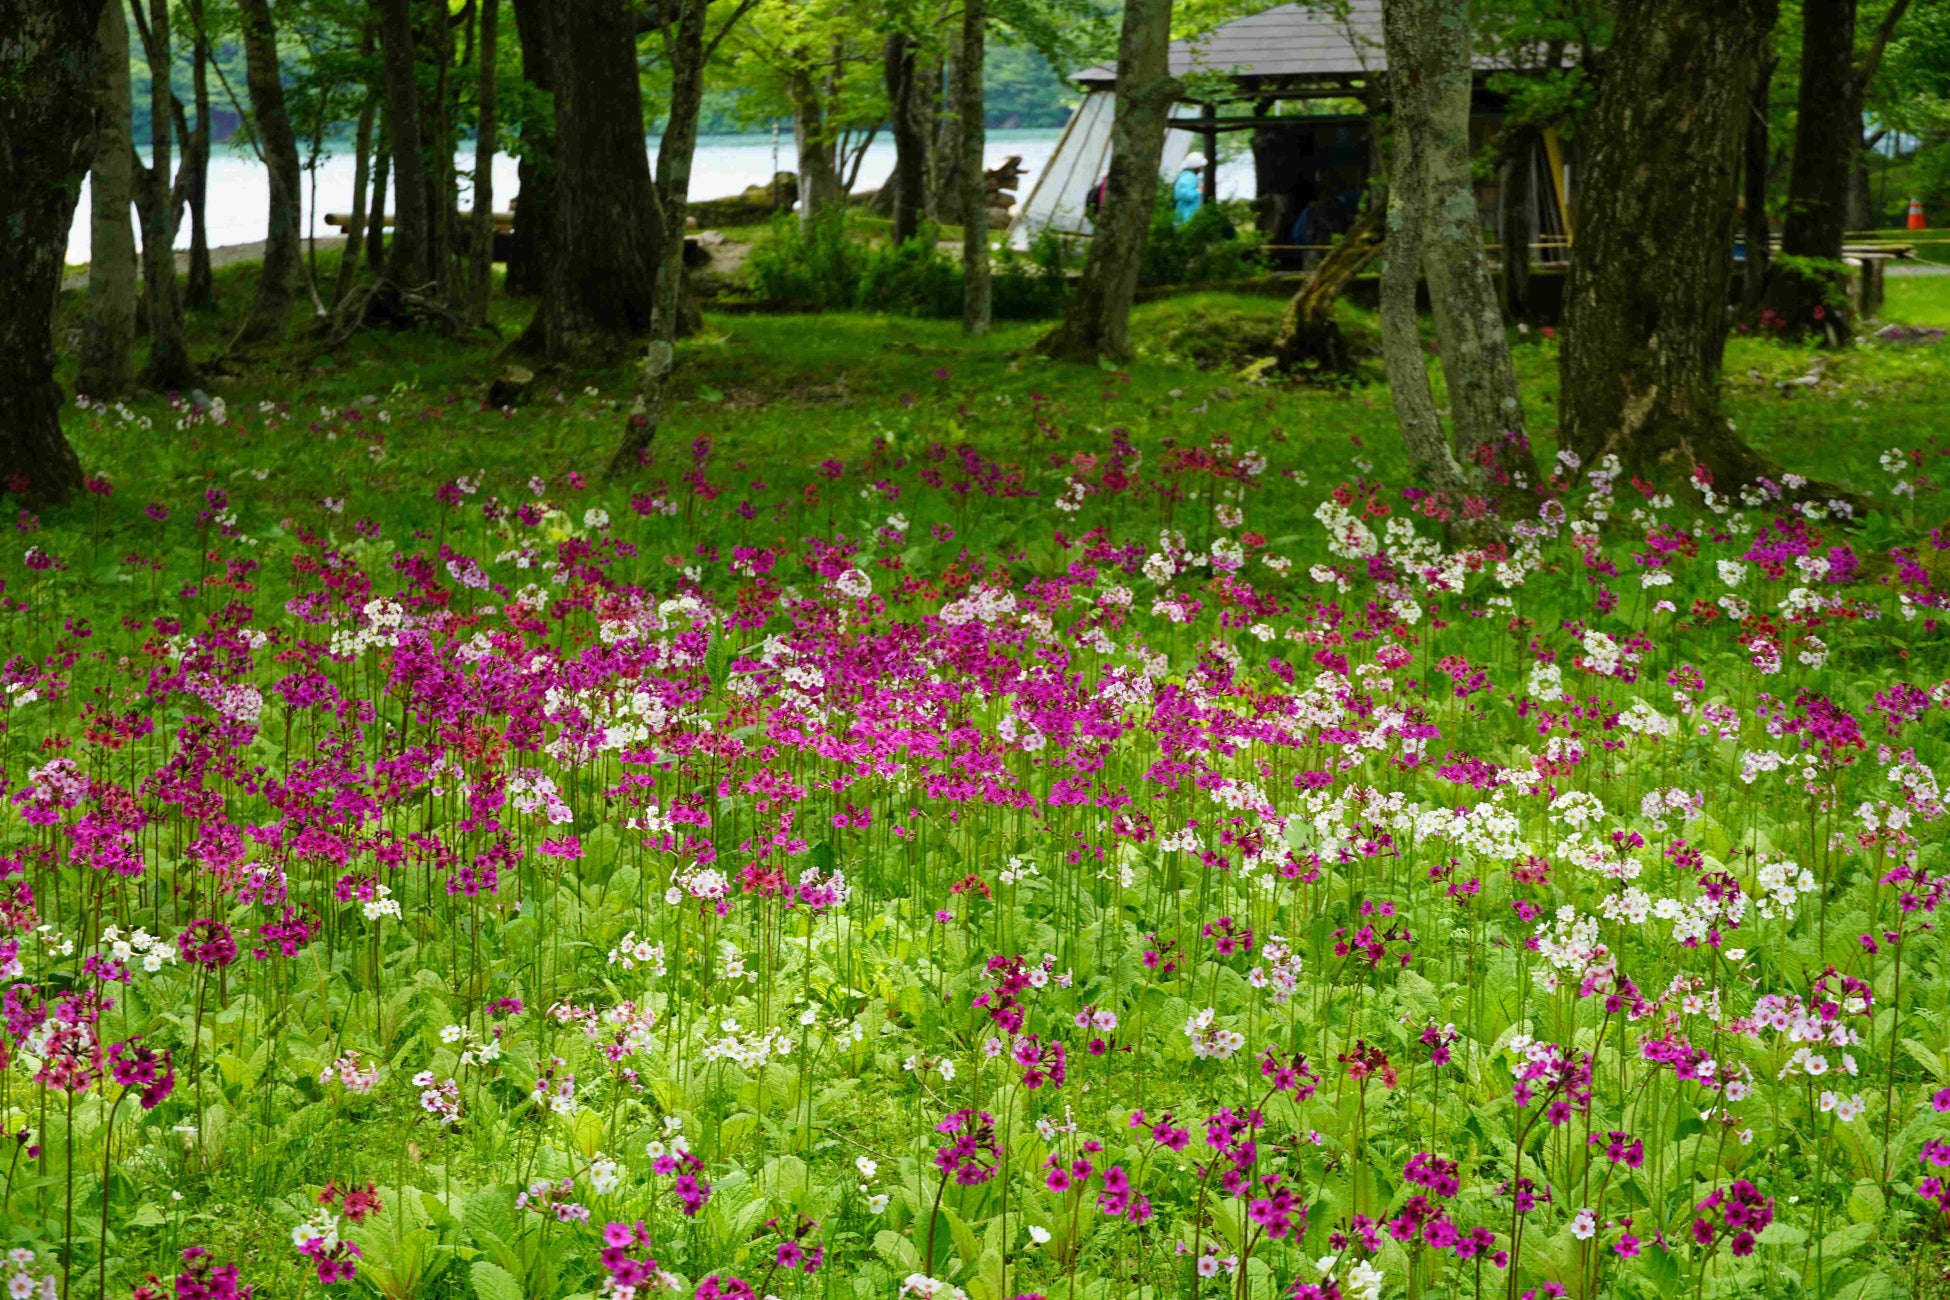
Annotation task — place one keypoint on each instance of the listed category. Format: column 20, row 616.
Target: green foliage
column 1217, row 243
column 808, row 265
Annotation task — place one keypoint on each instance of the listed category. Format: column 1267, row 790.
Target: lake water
column 724, row 165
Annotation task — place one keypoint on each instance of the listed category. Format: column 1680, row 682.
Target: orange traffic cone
column 1916, row 215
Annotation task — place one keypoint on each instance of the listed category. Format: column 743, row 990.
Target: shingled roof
column 1306, row 42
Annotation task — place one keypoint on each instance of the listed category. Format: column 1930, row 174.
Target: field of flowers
column 998, row 850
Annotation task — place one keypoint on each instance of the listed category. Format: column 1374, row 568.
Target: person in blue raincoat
column 1189, row 191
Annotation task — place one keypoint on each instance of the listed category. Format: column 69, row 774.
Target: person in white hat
column 1189, row 191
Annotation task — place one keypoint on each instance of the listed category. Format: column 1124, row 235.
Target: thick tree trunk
column 480, row 277
column 1756, row 164
column 1828, row 126
column 1861, row 199
column 1430, row 457
column 382, row 171
column 1429, row 80
column 355, row 233
column 908, row 185
column 813, row 138
column 606, row 226
column 200, row 288
column 1518, row 219
column 1097, row 323
column 535, row 169
column 51, row 64
column 277, row 283
column 410, row 263
column 975, row 306
column 168, row 367
column 443, row 186
column 1646, row 309
column 108, row 335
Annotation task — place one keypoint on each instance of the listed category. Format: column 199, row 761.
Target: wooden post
column 1210, row 177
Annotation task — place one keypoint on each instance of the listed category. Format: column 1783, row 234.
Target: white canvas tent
column 1081, row 159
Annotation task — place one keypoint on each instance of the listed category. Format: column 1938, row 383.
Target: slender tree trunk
column 1646, row 309
column 1756, row 164
column 443, row 186
column 51, row 63
column 486, row 134
column 382, row 168
column 535, row 168
column 606, row 226
column 1861, row 202
column 108, row 335
column 168, row 367
column 819, row 175
column 1430, row 71
column 1310, row 340
column 1097, row 323
column 676, row 313
column 410, row 264
column 277, row 283
column 200, row 289
column 975, row 307
column 1518, row 219
column 1828, row 126
column 355, row 231
column 944, row 194
column 909, row 181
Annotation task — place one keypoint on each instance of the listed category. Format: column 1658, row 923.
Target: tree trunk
column 1430, row 457
column 1828, row 126
column 168, row 367
column 1097, row 323
column 355, row 233
column 1861, row 203
column 1431, row 90
column 1518, row 219
column 382, row 170
column 108, row 335
column 1310, row 340
column 944, row 192
column 1646, row 308
column 277, row 282
column 676, row 313
column 443, row 186
column 51, row 64
column 535, row 168
column 1756, row 166
column 908, row 184
column 486, row 133
column 410, row 264
column 200, row 289
column 975, row 305
column 819, row 175
column 606, row 226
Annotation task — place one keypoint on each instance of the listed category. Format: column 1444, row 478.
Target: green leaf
column 492, row 1282
column 1778, row 1233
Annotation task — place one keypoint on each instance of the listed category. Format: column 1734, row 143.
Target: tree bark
column 535, row 169
column 355, row 233
column 277, row 282
column 1828, row 127
column 1431, row 92
column 443, row 186
column 51, row 64
column 409, row 264
column 908, row 184
column 975, row 305
column 200, row 288
column 1310, row 340
column 382, row 170
column 1646, row 308
column 108, row 335
column 675, row 313
column 486, row 133
column 1756, row 164
column 1097, row 324
column 168, row 367
column 606, row 225
column 944, row 184
column 1518, row 219
column 814, row 140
